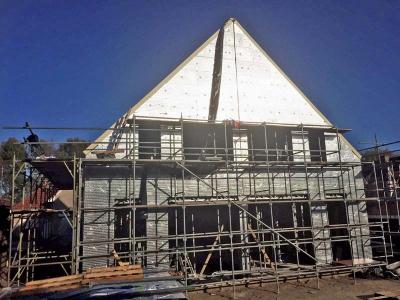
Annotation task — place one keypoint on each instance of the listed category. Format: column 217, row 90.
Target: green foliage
column 75, row 147
column 9, row 147
column 7, row 151
column 48, row 149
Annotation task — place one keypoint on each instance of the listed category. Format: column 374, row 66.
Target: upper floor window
column 202, row 141
column 149, row 140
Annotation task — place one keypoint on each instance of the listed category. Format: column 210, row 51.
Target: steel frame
column 31, row 191
column 387, row 186
column 258, row 238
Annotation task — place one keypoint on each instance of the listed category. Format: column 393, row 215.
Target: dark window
column 337, row 216
column 206, row 141
column 317, row 145
column 257, row 143
column 279, row 143
column 149, row 140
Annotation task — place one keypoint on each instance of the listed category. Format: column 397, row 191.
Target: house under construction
column 225, row 173
column 387, row 184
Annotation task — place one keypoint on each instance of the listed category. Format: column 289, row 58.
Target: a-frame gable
column 252, row 88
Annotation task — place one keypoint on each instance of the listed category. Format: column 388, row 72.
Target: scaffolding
column 34, row 223
column 387, row 163
column 218, row 204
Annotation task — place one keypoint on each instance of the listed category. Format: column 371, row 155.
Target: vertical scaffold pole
column 134, row 186
column 74, row 218
column 11, row 222
column 229, row 208
column 184, row 222
column 380, row 211
column 78, row 215
column 309, row 205
column 270, row 207
column 339, row 148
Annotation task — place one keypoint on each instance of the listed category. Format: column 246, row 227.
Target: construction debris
column 91, row 277
column 385, row 295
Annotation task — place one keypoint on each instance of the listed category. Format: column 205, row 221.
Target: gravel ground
column 330, row 288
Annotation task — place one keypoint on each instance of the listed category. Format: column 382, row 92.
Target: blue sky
column 84, row 63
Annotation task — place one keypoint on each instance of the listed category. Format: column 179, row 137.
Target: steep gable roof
column 252, row 87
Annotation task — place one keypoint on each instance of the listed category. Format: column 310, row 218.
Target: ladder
column 186, row 265
column 267, row 260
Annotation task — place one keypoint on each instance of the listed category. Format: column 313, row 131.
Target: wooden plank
column 112, row 269
column 54, row 280
column 112, row 279
column 112, row 274
column 210, row 252
column 52, row 284
column 94, row 275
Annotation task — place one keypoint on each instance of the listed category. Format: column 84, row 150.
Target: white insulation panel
column 253, row 89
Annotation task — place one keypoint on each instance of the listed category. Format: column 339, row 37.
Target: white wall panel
column 260, row 93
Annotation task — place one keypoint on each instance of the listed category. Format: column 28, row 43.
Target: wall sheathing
column 305, row 182
column 100, row 225
column 158, row 193
column 360, row 237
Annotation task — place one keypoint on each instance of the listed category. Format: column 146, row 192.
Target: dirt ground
column 330, row 288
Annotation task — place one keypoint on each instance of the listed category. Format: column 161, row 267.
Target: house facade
column 225, row 168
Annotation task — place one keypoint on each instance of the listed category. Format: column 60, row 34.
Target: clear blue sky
column 84, row 63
